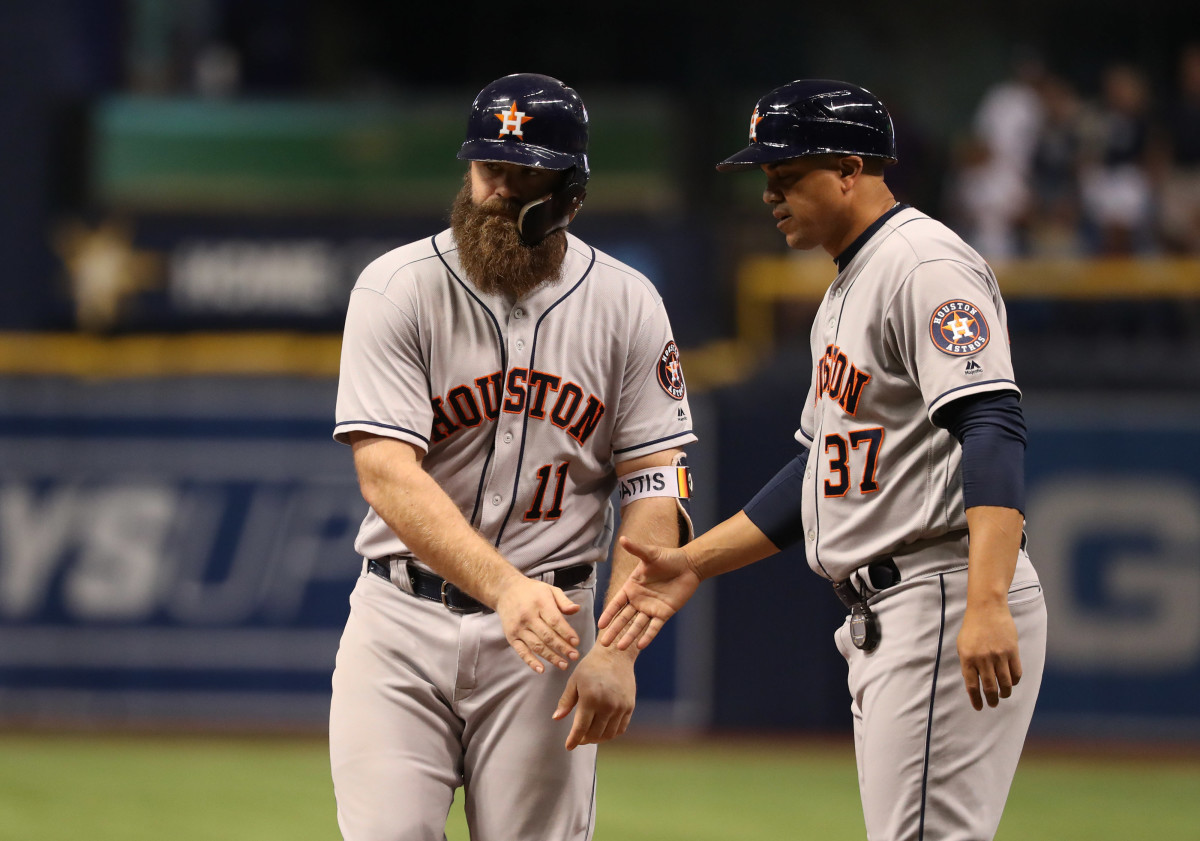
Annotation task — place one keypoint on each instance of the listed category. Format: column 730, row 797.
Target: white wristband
column 666, row 480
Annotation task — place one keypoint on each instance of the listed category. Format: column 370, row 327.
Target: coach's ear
column 850, row 167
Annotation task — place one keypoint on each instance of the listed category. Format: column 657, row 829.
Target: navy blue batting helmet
column 531, row 120
column 816, row 117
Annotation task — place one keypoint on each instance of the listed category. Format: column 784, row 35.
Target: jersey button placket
column 515, row 315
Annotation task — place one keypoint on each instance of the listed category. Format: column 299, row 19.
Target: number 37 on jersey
column 853, row 460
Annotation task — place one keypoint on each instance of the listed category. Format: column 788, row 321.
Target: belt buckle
column 448, row 588
column 445, row 602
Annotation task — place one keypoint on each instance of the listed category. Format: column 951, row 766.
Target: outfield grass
column 66, row 788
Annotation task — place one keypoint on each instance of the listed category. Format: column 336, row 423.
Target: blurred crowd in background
column 1050, row 171
column 1058, row 159
column 1049, row 164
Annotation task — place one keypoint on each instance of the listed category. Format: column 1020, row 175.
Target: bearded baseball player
column 908, row 490
column 499, row 381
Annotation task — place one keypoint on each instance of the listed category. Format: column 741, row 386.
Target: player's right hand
column 533, row 615
column 659, row 586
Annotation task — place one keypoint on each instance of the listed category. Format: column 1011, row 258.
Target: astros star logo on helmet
column 958, row 328
column 754, row 121
column 512, row 120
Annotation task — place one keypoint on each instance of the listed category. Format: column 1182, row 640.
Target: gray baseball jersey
column 912, row 322
column 523, row 407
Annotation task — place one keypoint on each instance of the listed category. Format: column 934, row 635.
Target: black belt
column 882, row 574
column 430, row 586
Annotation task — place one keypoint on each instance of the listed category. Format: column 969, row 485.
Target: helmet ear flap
column 543, row 216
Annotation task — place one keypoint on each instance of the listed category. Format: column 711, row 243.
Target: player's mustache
column 507, row 208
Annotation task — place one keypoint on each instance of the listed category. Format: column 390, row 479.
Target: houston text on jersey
column 840, row 380
column 521, row 390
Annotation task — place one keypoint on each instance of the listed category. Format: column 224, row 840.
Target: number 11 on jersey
column 535, row 512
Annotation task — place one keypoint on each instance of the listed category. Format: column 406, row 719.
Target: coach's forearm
column 727, row 546
column 995, row 540
column 416, row 508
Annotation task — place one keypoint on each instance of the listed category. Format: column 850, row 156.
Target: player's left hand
column 988, row 653
column 602, row 690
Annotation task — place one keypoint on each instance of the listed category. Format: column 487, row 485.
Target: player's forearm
column 653, row 522
column 995, row 540
column 421, row 514
column 727, row 546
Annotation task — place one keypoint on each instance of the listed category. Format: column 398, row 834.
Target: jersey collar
column 853, row 248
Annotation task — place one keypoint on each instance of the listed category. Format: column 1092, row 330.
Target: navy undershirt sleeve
column 991, row 429
column 776, row 509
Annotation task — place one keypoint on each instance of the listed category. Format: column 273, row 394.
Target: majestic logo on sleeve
column 512, row 120
column 670, row 372
column 959, row 328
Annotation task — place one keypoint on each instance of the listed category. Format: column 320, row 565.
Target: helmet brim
column 754, row 156
column 757, row 154
column 524, row 154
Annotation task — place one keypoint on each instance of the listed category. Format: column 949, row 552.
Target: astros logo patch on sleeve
column 670, row 372
column 959, row 328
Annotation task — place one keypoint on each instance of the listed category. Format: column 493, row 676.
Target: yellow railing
column 763, row 284
column 170, row 355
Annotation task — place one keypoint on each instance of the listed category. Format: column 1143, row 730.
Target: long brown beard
column 491, row 251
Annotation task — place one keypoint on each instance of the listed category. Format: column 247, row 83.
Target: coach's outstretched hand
column 533, row 615
column 659, row 586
